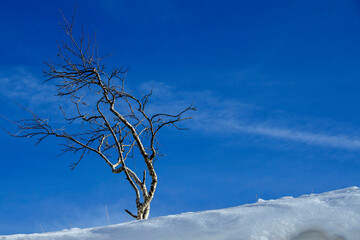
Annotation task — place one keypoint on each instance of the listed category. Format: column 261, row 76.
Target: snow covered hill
column 328, row 216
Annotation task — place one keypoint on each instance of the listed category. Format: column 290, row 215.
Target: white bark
column 110, row 128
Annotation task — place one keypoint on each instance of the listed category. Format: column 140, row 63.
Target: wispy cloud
column 216, row 113
column 229, row 116
column 336, row 141
column 229, row 125
column 20, row 85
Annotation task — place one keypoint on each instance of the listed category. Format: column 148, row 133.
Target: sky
column 276, row 85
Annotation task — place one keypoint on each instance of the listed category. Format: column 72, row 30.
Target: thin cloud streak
column 335, row 141
column 229, row 116
column 223, row 116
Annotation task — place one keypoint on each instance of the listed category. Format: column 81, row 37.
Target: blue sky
column 276, row 84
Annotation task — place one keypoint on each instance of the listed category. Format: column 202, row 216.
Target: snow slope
column 328, row 216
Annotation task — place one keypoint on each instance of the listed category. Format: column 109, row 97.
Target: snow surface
column 328, row 216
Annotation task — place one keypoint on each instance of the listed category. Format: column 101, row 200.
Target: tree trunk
column 143, row 213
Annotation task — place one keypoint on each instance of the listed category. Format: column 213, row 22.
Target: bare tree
column 115, row 125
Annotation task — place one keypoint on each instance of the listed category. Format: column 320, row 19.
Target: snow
column 328, row 216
